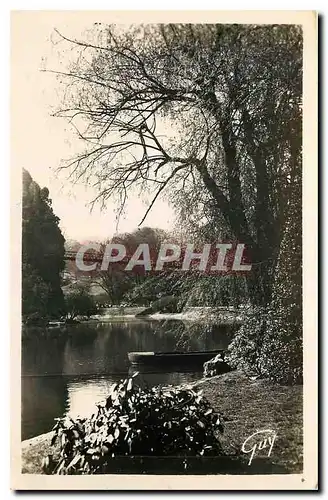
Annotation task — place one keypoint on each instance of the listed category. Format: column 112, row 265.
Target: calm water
column 67, row 370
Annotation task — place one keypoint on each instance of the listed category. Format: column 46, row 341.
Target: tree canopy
column 207, row 114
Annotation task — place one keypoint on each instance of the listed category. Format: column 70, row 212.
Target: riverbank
column 225, row 316
column 247, row 406
column 219, row 315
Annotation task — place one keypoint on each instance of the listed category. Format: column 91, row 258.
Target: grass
column 253, row 405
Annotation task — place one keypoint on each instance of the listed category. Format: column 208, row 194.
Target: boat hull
column 196, row 358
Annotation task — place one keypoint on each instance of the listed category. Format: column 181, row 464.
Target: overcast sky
column 40, row 141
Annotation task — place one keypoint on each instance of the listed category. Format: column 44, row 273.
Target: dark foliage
column 42, row 253
column 79, row 303
column 271, row 340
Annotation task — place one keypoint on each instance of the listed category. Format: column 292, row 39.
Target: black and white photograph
column 164, row 170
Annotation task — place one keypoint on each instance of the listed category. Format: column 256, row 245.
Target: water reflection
column 43, row 399
column 84, row 393
column 67, row 370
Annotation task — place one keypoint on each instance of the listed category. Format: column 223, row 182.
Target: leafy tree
column 271, row 341
column 35, row 293
column 282, row 349
column 191, row 288
column 228, row 97
column 42, row 251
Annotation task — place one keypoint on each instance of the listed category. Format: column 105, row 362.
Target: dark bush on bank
column 270, row 342
column 136, row 422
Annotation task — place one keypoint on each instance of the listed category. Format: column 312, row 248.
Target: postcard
column 163, row 236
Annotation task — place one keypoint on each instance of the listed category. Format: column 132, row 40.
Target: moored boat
column 172, row 358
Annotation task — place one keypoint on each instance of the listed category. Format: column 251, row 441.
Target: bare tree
column 115, row 281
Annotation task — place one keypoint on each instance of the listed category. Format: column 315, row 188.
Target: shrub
column 79, row 303
column 270, row 344
column 244, row 350
column 137, row 422
column 281, row 356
